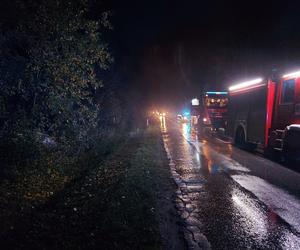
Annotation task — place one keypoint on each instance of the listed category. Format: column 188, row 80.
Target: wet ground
column 230, row 198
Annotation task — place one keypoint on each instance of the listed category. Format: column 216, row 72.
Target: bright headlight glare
column 245, row 84
column 297, row 73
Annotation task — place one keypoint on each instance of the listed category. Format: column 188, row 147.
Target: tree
column 50, row 69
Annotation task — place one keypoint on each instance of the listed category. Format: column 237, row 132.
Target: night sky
column 173, row 50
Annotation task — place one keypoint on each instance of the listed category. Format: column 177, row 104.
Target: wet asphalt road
column 232, row 198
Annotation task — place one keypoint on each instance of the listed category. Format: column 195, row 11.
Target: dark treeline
column 56, row 83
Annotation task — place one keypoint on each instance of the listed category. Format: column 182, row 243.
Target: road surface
column 230, row 198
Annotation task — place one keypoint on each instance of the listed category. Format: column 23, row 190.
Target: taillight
column 297, row 109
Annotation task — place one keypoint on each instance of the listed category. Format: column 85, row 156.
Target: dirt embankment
column 126, row 201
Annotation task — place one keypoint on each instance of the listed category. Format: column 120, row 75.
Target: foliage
column 50, row 69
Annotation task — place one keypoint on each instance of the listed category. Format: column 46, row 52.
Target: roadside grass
column 110, row 201
column 37, row 181
column 132, row 218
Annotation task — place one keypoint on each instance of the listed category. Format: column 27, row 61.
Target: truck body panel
column 266, row 113
column 248, row 110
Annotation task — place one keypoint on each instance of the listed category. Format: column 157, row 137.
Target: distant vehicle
column 265, row 113
column 195, row 112
column 182, row 118
column 214, row 109
column 179, row 118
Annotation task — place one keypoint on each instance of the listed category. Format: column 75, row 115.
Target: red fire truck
column 265, row 113
column 214, row 109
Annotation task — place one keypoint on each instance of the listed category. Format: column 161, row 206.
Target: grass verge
column 121, row 202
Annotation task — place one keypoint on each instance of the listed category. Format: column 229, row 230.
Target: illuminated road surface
column 229, row 198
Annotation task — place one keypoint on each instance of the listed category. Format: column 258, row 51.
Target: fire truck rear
column 265, row 113
column 214, row 109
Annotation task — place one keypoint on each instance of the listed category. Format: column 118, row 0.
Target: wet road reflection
column 212, row 202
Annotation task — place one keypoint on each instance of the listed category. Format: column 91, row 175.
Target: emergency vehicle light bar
column 217, row 92
column 297, row 73
column 245, row 84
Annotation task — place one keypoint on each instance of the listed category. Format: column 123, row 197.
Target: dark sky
column 174, row 49
column 170, row 51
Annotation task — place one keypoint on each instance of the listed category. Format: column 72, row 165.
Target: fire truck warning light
column 245, row 84
column 217, row 92
column 297, row 73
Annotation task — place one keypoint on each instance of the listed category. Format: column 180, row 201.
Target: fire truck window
column 216, row 102
column 288, row 91
column 223, row 102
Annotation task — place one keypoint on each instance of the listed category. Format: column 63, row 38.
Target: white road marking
column 284, row 204
column 281, row 202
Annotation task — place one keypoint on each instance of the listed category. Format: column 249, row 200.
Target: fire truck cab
column 266, row 113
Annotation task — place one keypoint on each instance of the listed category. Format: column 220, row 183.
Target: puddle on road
column 261, row 223
column 250, row 216
column 284, row 204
